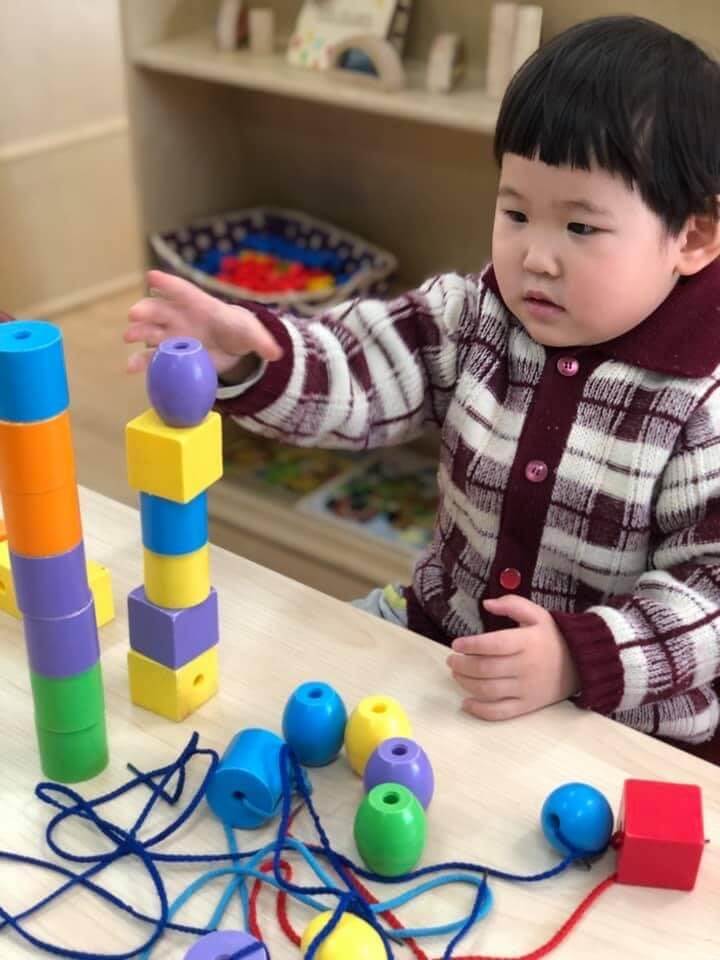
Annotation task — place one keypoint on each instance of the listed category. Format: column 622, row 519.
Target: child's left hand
column 514, row 671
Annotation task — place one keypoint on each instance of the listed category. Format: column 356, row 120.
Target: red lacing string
column 395, row 924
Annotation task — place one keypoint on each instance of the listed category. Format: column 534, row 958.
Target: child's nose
column 540, row 259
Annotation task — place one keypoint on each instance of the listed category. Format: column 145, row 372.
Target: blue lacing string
column 348, row 900
column 127, row 843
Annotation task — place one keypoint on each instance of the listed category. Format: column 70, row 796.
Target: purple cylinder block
column 168, row 636
column 403, row 761
column 49, row 587
column 223, row 944
column 181, row 382
column 63, row 646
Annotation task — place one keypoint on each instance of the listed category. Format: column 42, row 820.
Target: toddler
column 575, row 382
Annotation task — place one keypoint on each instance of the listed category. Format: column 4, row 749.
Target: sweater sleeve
column 366, row 373
column 652, row 657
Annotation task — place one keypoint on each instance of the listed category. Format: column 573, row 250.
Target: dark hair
column 631, row 96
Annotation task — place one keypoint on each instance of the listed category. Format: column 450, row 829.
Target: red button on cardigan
column 510, row 578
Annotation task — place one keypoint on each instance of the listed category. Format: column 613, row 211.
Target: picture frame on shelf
column 322, row 24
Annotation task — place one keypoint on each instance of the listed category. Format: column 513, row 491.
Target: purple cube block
column 63, row 646
column 168, row 636
column 50, row 587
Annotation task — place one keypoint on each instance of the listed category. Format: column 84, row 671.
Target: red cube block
column 661, row 834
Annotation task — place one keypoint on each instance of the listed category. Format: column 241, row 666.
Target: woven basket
column 195, row 252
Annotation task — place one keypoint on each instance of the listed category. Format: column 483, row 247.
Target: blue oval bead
column 577, row 819
column 314, row 722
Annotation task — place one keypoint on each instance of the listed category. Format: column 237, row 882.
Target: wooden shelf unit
column 468, row 108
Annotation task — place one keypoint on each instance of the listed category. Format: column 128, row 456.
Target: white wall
column 68, row 228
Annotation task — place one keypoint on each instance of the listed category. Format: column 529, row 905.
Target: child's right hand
column 228, row 333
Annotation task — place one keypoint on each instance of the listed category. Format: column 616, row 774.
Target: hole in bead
column 3, row 588
column 182, row 346
column 391, row 798
column 200, row 678
column 238, row 795
column 399, row 750
column 379, row 708
column 22, row 335
column 554, row 821
column 315, row 693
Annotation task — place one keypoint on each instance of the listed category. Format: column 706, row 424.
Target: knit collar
column 681, row 337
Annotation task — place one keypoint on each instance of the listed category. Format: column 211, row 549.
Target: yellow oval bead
column 352, row 939
column 373, row 720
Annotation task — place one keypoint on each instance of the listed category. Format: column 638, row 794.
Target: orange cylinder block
column 41, row 524
column 36, row 457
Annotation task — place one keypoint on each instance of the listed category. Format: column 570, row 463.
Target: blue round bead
column 314, row 722
column 577, row 819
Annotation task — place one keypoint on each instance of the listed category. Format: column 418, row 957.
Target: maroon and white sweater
column 587, row 480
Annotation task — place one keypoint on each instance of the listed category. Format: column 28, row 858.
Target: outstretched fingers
column 139, row 362
column 178, row 291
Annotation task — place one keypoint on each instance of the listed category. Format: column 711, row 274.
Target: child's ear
column 699, row 244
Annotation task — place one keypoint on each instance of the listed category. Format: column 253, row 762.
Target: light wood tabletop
column 491, row 780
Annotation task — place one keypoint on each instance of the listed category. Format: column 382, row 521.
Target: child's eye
column 516, row 216
column 582, row 229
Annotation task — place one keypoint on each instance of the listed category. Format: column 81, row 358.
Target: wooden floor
column 104, row 397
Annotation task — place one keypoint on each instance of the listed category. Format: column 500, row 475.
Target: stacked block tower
column 98, row 577
column 46, row 551
column 174, row 454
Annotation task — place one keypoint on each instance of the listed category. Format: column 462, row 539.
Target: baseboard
column 79, row 298
column 22, row 149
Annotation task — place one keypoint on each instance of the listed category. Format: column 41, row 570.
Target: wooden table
column 491, row 779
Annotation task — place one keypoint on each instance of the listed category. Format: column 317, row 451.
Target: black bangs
column 632, row 97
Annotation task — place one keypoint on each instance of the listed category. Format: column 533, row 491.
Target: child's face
column 578, row 256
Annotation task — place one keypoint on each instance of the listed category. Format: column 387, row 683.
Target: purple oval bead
column 403, row 761
column 181, row 382
column 222, row 944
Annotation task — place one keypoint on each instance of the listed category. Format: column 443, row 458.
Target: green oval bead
column 390, row 830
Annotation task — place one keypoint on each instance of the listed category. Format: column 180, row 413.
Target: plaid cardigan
column 585, row 479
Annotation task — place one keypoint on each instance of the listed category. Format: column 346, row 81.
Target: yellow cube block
column 173, row 462
column 101, row 587
column 98, row 578
column 8, row 601
column 178, row 580
column 174, row 694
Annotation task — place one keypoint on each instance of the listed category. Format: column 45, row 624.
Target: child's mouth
column 538, row 305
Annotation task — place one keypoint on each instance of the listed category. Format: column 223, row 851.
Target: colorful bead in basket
column 199, row 251
column 266, row 273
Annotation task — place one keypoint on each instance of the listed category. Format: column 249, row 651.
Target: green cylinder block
column 76, row 756
column 67, row 704
column 390, row 830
